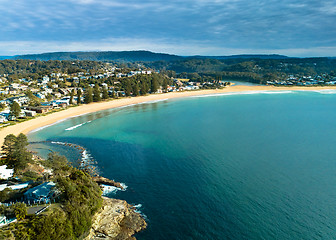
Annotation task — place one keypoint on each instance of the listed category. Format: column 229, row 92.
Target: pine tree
column 72, row 96
column 165, row 84
column 105, row 93
column 154, row 84
column 135, row 89
column 79, row 95
column 88, row 98
column 96, row 94
column 113, row 93
column 15, row 109
column 143, row 88
column 128, row 88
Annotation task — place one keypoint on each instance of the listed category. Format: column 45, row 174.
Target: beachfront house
column 41, row 193
column 6, row 173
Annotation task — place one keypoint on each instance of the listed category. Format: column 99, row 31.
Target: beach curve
column 43, row 121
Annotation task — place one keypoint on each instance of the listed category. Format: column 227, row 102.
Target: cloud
column 228, row 24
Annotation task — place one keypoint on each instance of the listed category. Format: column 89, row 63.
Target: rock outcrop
column 115, row 220
column 102, row 180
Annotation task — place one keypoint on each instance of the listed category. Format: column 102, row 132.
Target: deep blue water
column 256, row 166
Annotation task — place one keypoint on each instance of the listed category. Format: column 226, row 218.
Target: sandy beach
column 41, row 121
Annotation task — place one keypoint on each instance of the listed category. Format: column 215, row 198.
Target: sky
column 301, row 28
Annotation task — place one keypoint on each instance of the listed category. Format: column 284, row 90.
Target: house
column 43, row 192
column 6, row 173
column 29, row 113
column 14, row 187
column 39, row 109
column 3, row 119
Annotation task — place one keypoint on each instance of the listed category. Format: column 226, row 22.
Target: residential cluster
column 53, row 90
column 297, row 80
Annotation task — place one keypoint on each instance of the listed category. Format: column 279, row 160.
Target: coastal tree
column 154, row 84
column 2, row 106
column 165, row 84
column 105, row 94
column 143, row 88
column 113, row 95
column 8, row 147
column 20, row 210
column 79, row 95
column 135, row 89
column 72, row 93
column 96, row 93
column 88, row 98
column 15, row 109
column 128, row 88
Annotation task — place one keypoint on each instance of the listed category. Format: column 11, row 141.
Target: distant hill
column 5, row 57
column 134, row 56
column 122, row 56
column 243, row 56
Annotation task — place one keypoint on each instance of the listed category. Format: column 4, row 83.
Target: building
column 6, row 173
column 29, row 113
column 39, row 109
column 41, row 193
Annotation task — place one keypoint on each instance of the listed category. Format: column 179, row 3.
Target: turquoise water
column 253, row 166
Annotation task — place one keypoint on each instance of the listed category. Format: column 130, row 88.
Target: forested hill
column 117, row 56
column 242, row 56
column 133, row 56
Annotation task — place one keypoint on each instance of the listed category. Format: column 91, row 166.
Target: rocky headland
column 116, row 220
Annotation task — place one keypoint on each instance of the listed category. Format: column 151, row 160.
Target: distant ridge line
column 138, row 56
column 133, row 56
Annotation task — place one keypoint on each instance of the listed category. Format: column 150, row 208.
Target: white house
column 6, row 173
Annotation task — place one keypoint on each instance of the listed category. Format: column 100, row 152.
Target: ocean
column 260, row 165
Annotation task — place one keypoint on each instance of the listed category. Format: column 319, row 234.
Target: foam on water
column 40, row 128
column 107, row 189
column 243, row 93
column 76, row 126
column 326, row 91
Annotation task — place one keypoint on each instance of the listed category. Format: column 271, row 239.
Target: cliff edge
column 115, row 220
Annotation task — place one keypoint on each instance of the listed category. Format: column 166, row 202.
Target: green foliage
column 72, row 93
column 79, row 95
column 105, row 94
column 2, row 106
column 143, row 88
column 58, row 163
column 154, row 84
column 56, row 225
column 80, row 198
column 96, row 94
column 128, row 88
column 15, row 109
column 15, row 150
column 20, row 210
column 165, row 85
column 135, row 89
column 88, row 98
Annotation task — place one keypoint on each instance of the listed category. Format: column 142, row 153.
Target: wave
column 243, row 93
column 59, row 143
column 326, row 91
column 76, row 126
column 137, row 208
column 43, row 127
column 107, row 189
column 155, row 101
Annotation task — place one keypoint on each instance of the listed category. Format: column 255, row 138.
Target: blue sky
column 190, row 27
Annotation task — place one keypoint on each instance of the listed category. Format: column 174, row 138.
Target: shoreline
column 44, row 121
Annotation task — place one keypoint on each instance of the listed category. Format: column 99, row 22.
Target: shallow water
column 252, row 166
